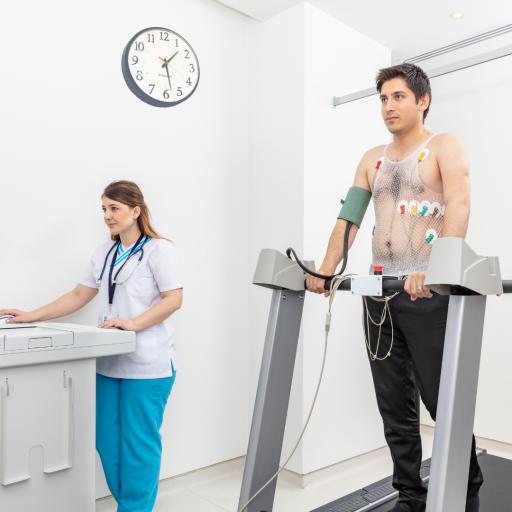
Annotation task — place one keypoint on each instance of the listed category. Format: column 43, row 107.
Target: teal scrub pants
column 129, row 415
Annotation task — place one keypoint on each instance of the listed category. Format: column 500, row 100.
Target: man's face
column 399, row 108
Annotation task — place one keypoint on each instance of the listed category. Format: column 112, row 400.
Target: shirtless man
column 420, row 189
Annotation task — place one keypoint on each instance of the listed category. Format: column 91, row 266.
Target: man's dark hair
column 415, row 78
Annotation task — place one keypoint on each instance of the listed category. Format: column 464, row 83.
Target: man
column 420, row 188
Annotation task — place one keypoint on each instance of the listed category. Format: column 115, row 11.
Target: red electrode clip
column 377, row 270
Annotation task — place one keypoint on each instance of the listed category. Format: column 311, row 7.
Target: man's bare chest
column 424, row 176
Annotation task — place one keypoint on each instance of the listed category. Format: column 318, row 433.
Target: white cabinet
column 47, row 414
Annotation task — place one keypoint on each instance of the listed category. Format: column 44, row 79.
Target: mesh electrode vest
column 408, row 215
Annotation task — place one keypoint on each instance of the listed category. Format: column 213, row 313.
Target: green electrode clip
column 355, row 205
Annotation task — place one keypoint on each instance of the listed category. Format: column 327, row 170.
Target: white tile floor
column 216, row 489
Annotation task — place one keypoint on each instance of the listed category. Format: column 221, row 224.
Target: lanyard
column 112, row 282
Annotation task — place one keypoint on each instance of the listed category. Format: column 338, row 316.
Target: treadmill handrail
column 397, row 285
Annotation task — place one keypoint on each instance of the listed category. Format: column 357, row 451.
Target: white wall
column 70, row 126
column 339, row 60
column 276, row 203
column 304, row 154
column 475, row 104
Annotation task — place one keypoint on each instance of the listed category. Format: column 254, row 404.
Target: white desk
column 47, row 414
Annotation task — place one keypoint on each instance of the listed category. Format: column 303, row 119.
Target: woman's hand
column 18, row 317
column 415, row 286
column 119, row 323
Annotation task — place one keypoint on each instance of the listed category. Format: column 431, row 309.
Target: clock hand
column 168, row 76
column 169, row 60
column 166, row 61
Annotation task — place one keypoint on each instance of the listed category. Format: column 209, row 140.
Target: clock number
column 164, row 36
column 187, row 54
column 139, row 75
column 135, row 59
column 166, row 94
column 189, row 82
column 151, row 38
column 180, row 92
column 192, row 68
column 139, row 46
column 152, row 87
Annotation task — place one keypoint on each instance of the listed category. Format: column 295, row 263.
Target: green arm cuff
column 355, row 205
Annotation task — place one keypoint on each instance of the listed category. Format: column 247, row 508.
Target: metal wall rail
column 442, row 70
column 491, row 34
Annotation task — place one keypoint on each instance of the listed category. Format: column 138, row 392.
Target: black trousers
column 413, row 370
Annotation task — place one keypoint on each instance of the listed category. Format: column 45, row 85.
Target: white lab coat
column 138, row 289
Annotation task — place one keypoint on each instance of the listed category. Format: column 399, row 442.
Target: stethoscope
column 112, row 283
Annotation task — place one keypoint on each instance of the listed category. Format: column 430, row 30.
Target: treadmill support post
column 456, row 404
column 270, row 410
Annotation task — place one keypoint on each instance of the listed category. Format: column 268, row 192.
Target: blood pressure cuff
column 355, row 205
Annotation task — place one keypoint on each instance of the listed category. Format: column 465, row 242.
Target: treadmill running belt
column 370, row 496
column 495, row 495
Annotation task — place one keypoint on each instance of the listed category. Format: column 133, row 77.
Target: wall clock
column 160, row 67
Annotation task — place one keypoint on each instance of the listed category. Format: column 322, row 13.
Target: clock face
column 160, row 67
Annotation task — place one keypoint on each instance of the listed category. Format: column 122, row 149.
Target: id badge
column 107, row 315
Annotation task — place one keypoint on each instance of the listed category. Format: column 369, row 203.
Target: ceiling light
column 457, row 15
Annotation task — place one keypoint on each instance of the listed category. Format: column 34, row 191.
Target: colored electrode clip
column 377, row 270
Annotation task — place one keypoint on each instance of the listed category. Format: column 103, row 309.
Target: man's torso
column 407, row 192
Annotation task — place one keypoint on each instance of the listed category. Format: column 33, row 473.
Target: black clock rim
column 132, row 85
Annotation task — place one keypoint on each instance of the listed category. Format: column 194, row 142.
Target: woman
column 139, row 283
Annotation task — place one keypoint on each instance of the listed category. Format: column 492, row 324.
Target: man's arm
column 334, row 253
column 454, row 168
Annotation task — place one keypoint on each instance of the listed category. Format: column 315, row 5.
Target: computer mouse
column 4, row 319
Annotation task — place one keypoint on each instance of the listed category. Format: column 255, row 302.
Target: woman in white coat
column 138, row 279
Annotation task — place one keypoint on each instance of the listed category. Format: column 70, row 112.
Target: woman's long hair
column 129, row 193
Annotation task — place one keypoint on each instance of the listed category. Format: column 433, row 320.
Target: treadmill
column 455, row 270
